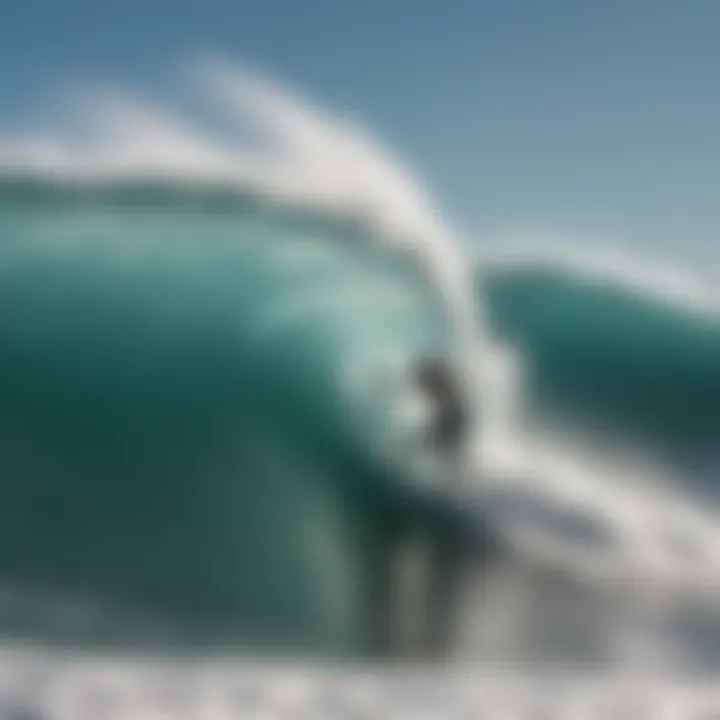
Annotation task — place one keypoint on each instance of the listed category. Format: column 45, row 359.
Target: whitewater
column 594, row 380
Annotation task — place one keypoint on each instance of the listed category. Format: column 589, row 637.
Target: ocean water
column 208, row 443
column 195, row 411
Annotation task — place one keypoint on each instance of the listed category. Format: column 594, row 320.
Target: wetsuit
column 453, row 535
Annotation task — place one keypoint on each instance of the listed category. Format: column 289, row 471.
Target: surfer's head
column 435, row 378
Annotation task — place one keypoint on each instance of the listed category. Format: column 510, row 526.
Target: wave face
column 628, row 361
column 192, row 414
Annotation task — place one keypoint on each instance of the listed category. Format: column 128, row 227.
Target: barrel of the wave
column 193, row 449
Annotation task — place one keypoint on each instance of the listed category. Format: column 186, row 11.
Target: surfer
column 447, row 543
column 446, row 536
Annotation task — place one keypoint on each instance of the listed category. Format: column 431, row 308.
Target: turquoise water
column 615, row 358
column 199, row 445
column 192, row 412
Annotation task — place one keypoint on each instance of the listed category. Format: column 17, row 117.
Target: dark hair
column 434, row 377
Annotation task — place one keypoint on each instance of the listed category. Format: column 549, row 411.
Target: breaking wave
column 197, row 332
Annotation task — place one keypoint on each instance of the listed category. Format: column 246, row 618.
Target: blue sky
column 583, row 117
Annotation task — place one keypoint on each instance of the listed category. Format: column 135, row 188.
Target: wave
column 201, row 409
column 638, row 348
column 196, row 340
column 611, row 444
